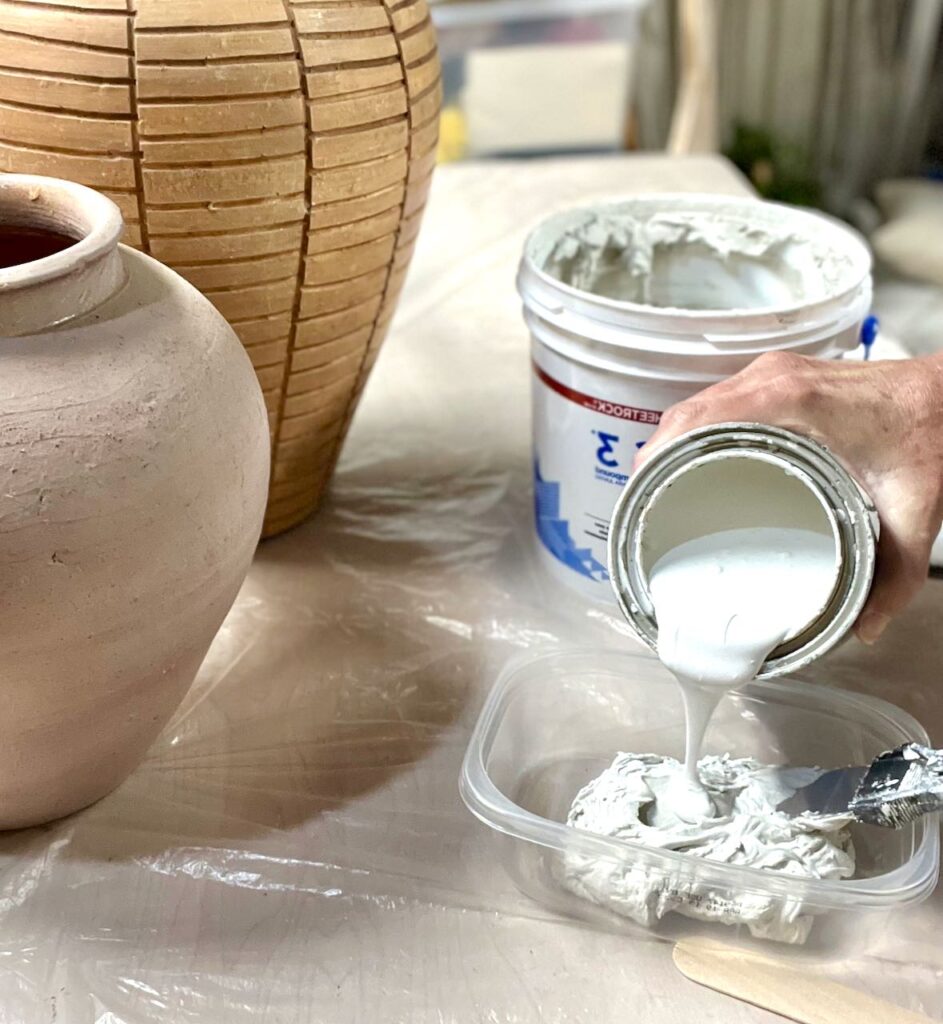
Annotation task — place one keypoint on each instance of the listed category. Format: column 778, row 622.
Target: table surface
column 294, row 849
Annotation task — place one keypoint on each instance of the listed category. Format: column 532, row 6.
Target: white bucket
column 605, row 369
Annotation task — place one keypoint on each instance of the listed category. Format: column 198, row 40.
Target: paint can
column 744, row 475
column 605, row 369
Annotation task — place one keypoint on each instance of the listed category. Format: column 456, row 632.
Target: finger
column 902, row 564
column 773, row 389
column 715, row 405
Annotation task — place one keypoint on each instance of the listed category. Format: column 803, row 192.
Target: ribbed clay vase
column 134, row 462
column 276, row 153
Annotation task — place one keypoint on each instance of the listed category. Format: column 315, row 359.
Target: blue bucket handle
column 869, row 333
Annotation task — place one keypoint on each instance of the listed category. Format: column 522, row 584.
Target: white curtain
column 854, row 84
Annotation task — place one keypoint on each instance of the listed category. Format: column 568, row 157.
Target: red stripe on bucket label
column 620, row 412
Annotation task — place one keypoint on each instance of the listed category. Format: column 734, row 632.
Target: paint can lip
column 812, row 224
column 852, row 514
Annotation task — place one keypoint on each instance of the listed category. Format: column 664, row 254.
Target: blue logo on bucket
column 554, row 532
column 608, row 459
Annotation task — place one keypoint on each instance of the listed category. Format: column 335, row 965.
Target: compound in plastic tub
column 555, row 721
column 635, row 305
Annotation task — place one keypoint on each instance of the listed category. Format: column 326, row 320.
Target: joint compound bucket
column 633, row 306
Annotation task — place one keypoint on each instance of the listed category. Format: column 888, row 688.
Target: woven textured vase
column 276, row 153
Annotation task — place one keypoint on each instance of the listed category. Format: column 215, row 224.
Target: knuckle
column 686, row 414
column 780, row 363
column 796, row 392
column 787, row 380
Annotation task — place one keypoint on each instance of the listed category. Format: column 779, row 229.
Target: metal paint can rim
column 850, row 512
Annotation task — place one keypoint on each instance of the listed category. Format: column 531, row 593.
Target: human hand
column 884, row 420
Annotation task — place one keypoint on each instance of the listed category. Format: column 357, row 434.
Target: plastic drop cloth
column 293, row 848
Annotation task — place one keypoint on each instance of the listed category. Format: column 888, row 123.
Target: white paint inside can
column 636, row 305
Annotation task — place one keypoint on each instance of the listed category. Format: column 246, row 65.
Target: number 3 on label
column 605, row 451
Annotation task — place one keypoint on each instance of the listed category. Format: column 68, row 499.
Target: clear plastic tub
column 555, row 721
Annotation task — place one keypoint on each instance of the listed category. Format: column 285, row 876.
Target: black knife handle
column 900, row 786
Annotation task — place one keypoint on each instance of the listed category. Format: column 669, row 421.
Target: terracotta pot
column 134, row 463
column 276, row 154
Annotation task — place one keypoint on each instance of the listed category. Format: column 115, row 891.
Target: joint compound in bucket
column 751, row 545
column 636, row 305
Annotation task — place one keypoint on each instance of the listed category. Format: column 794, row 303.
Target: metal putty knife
column 896, row 788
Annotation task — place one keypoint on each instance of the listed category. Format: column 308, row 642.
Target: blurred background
column 835, row 104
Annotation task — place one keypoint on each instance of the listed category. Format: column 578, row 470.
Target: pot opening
column 23, row 244
column 59, row 254
column 43, row 217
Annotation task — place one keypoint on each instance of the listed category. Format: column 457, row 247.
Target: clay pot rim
column 63, row 206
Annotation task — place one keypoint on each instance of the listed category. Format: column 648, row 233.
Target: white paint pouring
column 742, row 558
column 724, row 601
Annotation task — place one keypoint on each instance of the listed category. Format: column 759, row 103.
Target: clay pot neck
column 70, row 282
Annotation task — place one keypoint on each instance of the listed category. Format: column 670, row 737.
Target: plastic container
column 605, row 370
column 554, row 721
column 536, row 76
